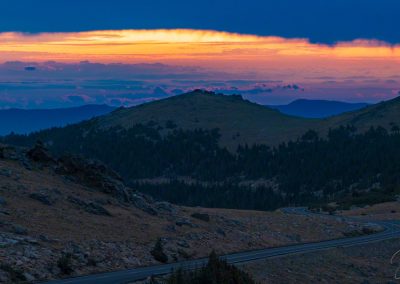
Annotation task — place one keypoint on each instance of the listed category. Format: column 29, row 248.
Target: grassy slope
column 381, row 114
column 124, row 240
column 239, row 121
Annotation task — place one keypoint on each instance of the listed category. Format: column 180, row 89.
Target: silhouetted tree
column 158, row 252
column 216, row 271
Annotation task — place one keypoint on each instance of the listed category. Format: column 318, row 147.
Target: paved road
column 391, row 230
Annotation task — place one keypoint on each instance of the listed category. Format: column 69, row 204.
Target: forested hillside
column 345, row 166
column 212, row 150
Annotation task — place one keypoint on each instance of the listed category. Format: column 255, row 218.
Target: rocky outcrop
column 142, row 202
column 96, row 175
column 355, row 230
column 19, row 230
column 89, row 172
column 185, row 222
column 201, row 216
column 166, row 207
column 42, row 198
column 93, row 174
column 90, row 207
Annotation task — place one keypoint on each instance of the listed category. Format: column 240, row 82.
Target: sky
column 65, row 53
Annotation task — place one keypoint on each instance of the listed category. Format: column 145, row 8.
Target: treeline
column 225, row 195
column 344, row 161
column 141, row 151
column 342, row 165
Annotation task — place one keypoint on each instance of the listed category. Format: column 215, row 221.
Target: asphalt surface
column 391, row 231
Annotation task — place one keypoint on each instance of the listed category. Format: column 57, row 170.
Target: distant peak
column 397, row 99
column 202, row 92
column 211, row 93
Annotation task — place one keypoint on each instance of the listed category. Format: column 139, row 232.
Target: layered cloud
column 180, row 44
column 55, row 84
column 211, row 49
column 131, row 66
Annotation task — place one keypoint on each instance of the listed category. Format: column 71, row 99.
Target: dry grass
column 124, row 240
column 381, row 211
column 359, row 264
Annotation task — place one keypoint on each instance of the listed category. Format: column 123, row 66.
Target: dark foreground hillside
column 68, row 216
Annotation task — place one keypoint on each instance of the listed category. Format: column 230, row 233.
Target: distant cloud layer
column 56, row 84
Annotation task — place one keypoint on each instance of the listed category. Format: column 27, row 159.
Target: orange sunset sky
column 204, row 48
column 357, row 70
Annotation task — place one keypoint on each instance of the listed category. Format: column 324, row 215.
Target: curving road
column 391, row 230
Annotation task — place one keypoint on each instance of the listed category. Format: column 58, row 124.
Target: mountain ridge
column 23, row 121
column 385, row 114
column 240, row 121
column 317, row 108
column 243, row 122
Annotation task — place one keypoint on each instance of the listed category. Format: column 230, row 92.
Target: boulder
column 141, row 203
column 8, row 241
column 19, row 230
column 166, row 207
column 201, row 216
column 97, row 209
column 29, row 277
column 170, row 228
column 221, row 232
column 4, row 277
column 183, row 243
column 5, row 172
column 4, row 212
column 371, row 228
column 2, row 201
column 42, row 197
column 185, row 222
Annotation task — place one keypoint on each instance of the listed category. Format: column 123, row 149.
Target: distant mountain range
column 238, row 120
column 23, row 121
column 317, row 108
